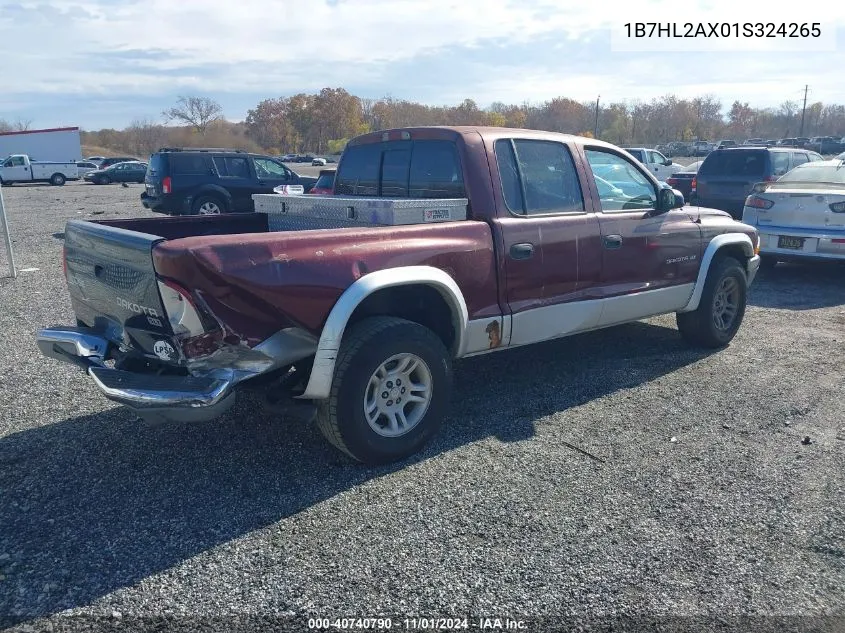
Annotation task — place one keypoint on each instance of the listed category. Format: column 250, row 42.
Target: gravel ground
column 700, row 498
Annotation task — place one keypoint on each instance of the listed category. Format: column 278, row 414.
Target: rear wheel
column 722, row 307
column 390, row 392
column 208, row 205
column 57, row 180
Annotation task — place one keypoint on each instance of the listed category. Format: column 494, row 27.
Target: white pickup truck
column 20, row 168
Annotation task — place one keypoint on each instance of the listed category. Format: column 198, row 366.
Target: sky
column 105, row 63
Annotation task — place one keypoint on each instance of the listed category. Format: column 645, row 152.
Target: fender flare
column 214, row 190
column 718, row 242
column 322, row 371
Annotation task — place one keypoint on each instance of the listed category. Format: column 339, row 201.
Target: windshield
column 833, row 174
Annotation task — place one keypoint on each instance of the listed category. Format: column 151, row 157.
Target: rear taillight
column 166, row 186
column 756, row 202
column 838, row 207
column 181, row 310
column 672, row 181
column 694, row 183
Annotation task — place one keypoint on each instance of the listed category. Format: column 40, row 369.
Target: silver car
column 800, row 216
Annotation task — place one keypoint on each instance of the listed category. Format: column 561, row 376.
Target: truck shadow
column 97, row 503
column 804, row 286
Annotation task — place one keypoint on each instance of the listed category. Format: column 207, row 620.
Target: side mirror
column 668, row 162
column 679, row 199
column 667, row 199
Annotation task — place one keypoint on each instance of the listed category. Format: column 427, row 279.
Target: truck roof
column 453, row 131
column 52, row 129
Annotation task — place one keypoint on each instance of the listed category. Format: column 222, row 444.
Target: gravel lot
column 257, row 516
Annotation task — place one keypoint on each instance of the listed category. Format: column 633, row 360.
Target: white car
column 654, row 161
column 85, row 167
column 801, row 215
column 318, row 162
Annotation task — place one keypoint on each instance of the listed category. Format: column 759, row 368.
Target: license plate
column 151, row 190
column 795, row 243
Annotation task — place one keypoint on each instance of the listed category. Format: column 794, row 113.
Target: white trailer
column 57, row 144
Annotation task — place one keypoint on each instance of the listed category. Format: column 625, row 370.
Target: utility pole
column 596, row 128
column 803, row 110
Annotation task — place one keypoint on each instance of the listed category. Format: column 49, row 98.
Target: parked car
column 802, row 141
column 318, row 162
column 727, row 176
column 306, row 158
column 209, row 181
column 20, row 168
column 724, row 144
column 754, row 141
column 364, row 323
column 287, row 158
column 325, row 183
column 682, row 180
column 825, row 145
column 130, row 171
column 84, row 167
column 679, row 148
column 701, row 148
column 95, row 159
column 787, row 142
column 770, row 142
column 654, row 161
column 114, row 160
column 801, row 216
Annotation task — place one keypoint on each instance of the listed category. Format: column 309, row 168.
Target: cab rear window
column 401, row 169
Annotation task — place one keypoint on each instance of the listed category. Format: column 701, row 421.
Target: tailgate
column 113, row 285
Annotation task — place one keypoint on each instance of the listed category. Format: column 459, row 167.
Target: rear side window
column 780, row 163
column 325, row 181
column 735, row 163
column 232, row 166
column 189, row 164
column 538, row 177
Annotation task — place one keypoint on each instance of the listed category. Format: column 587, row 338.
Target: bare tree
column 22, row 125
column 5, row 126
column 145, row 136
column 200, row 112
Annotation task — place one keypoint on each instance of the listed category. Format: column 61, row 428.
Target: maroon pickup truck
column 562, row 235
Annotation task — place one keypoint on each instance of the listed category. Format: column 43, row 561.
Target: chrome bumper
column 753, row 267
column 177, row 398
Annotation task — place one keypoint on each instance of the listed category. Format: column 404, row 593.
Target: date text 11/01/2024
column 722, row 30
column 418, row 624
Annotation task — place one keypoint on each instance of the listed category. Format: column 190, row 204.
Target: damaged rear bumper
column 201, row 396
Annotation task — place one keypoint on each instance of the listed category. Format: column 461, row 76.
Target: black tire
column 699, row 327
column 366, row 347
column 57, row 180
column 205, row 205
column 103, row 180
column 767, row 262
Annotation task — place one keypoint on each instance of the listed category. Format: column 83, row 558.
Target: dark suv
column 727, row 176
column 191, row 181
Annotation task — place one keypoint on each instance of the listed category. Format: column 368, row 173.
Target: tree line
column 323, row 122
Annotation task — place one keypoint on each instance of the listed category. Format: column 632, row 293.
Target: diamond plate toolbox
column 300, row 212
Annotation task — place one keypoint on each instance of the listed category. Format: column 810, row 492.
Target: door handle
column 612, row 241
column 522, row 251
